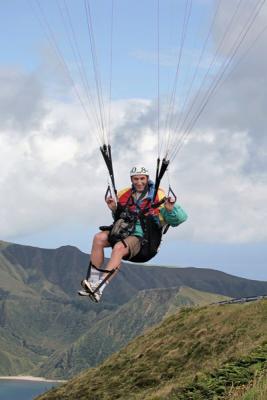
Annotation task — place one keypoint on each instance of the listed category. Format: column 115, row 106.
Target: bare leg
column 118, row 252
column 96, row 281
column 99, row 243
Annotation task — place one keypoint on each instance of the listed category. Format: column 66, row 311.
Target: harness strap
column 144, row 228
column 106, row 153
column 109, row 273
column 140, row 213
column 102, row 270
column 124, row 243
column 155, row 205
column 146, row 209
column 165, row 229
column 90, row 266
column 161, row 169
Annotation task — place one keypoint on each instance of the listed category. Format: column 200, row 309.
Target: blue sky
column 50, row 156
column 134, row 51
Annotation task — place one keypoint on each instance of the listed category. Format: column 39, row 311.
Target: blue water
column 23, row 390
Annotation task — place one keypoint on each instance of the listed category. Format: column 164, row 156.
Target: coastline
column 29, row 378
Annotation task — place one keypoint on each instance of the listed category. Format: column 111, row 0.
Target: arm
column 173, row 216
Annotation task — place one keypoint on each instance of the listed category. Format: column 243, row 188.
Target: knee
column 120, row 249
column 101, row 238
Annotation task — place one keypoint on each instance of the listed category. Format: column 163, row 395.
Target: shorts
column 134, row 246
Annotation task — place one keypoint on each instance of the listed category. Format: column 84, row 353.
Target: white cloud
column 52, row 172
column 58, row 175
column 224, row 204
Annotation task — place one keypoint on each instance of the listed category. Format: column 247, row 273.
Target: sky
column 53, row 179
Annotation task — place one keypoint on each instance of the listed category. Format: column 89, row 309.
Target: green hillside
column 146, row 309
column 46, row 329
column 198, row 354
column 37, row 318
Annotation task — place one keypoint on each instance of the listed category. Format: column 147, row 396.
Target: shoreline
column 29, row 378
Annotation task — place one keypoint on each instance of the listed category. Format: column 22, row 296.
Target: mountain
column 37, row 317
column 198, row 353
column 65, row 266
column 114, row 331
column 46, row 327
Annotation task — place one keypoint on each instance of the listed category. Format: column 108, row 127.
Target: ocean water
column 23, row 390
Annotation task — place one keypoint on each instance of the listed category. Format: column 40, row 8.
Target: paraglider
column 140, row 217
column 142, row 213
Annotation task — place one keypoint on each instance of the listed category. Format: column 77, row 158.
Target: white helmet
column 139, row 171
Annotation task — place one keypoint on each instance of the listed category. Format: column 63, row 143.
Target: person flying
column 136, row 233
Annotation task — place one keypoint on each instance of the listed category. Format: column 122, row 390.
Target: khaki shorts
column 134, row 246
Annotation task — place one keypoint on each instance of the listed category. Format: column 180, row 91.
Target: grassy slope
column 228, row 381
column 12, row 278
column 256, row 390
column 37, row 319
column 146, row 309
column 3, row 244
column 186, row 345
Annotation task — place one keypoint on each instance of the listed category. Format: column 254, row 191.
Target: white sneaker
column 94, row 297
column 90, row 288
column 91, row 296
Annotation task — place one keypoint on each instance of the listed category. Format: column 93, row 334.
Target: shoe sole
column 83, row 293
column 88, row 295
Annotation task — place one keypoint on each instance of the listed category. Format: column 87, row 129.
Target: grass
column 221, row 383
column 197, row 352
column 257, row 390
column 3, row 244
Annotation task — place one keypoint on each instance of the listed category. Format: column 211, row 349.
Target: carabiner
column 171, row 196
column 108, row 193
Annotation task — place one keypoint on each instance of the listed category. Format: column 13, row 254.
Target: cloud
column 224, row 203
column 21, row 100
column 239, row 103
column 50, row 179
column 52, row 172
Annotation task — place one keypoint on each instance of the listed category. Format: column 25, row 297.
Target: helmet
column 139, row 171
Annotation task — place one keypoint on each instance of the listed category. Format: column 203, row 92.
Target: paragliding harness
column 124, row 225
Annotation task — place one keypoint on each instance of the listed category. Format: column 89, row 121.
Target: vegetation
column 258, row 391
column 222, row 383
column 255, row 390
column 199, row 353
column 146, row 309
column 47, row 330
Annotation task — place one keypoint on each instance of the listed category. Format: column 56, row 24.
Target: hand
column 169, row 204
column 111, row 203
